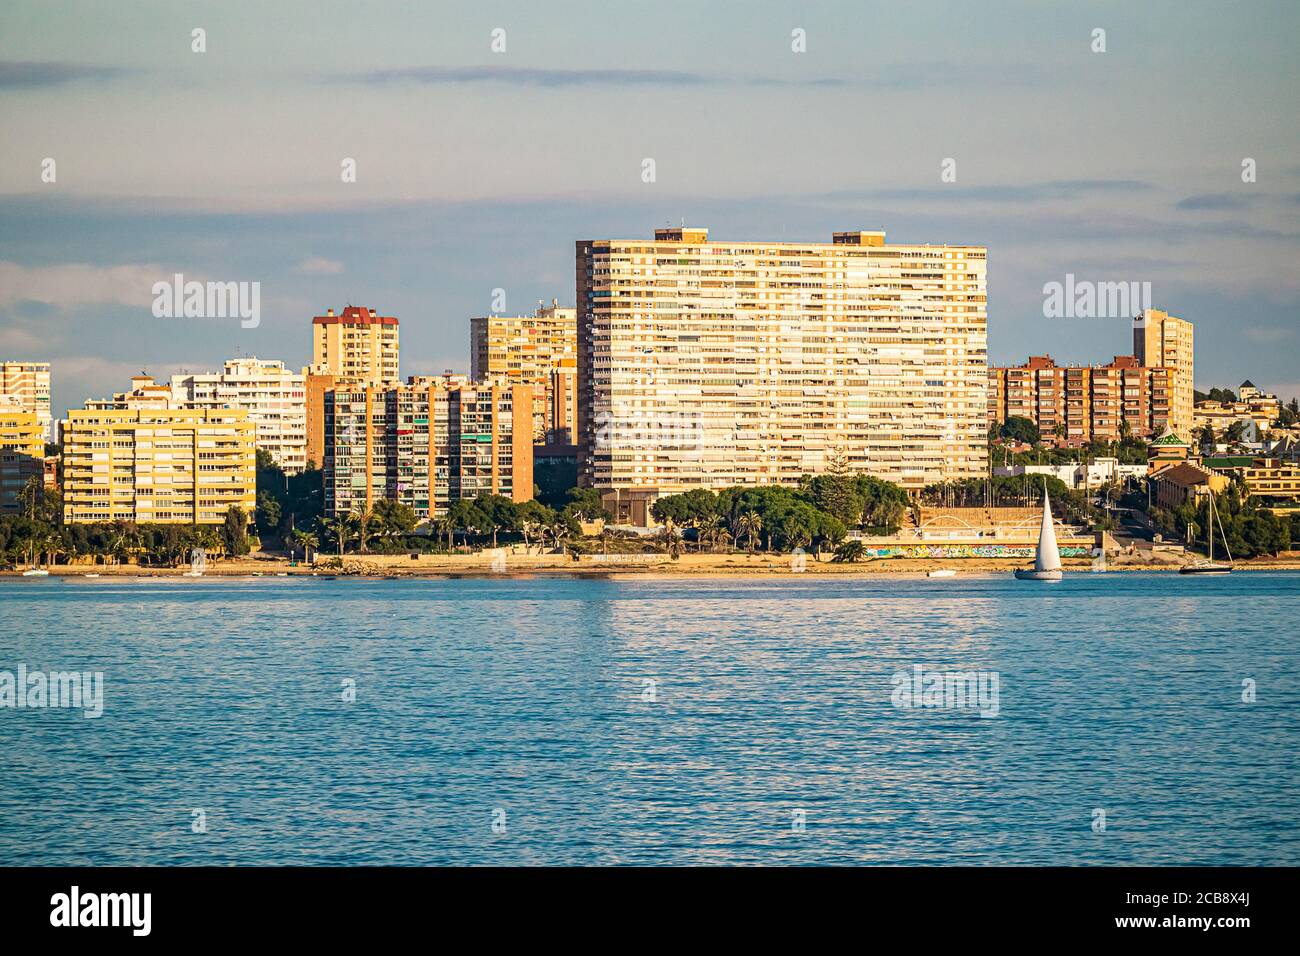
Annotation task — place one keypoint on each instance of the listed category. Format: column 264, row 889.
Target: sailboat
column 1047, row 560
column 1208, row 565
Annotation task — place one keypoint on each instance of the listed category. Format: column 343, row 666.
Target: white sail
column 1048, row 557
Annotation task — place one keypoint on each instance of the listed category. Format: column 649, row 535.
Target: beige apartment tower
column 526, row 350
column 157, row 465
column 25, row 386
column 357, row 345
column 22, row 455
column 703, row 364
column 1160, row 339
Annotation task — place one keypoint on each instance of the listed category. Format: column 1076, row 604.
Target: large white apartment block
column 703, row 364
column 274, row 397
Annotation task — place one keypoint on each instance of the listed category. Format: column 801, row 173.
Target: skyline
column 478, row 171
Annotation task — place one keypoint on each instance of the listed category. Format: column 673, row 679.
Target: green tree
column 1019, row 429
column 849, row 552
column 585, row 505
column 267, row 514
column 234, row 531
column 532, row 518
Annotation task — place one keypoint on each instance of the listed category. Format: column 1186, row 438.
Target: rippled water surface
column 1117, row 692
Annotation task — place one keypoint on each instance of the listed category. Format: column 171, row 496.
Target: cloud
column 1214, row 201
column 946, row 195
column 1267, row 334
column 917, row 76
column 32, row 74
column 532, row 76
column 72, row 284
column 318, row 266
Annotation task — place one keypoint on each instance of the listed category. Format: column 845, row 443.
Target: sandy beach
column 509, row 562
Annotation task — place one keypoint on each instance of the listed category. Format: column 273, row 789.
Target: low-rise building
column 1184, row 482
column 1271, row 480
column 1254, row 410
column 1082, row 475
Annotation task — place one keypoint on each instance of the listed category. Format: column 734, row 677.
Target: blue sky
column 478, row 170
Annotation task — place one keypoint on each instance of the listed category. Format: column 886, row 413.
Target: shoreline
column 505, row 564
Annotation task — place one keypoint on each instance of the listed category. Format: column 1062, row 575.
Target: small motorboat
column 941, row 573
column 36, row 573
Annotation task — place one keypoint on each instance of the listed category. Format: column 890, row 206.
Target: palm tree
column 443, row 525
column 748, row 526
column 337, row 528
column 706, row 529
column 670, row 538
column 359, row 522
column 306, row 540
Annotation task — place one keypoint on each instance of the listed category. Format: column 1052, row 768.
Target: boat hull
column 1206, row 569
column 1029, row 574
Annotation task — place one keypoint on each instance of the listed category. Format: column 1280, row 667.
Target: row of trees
column 1129, row 449
column 485, row 520
column 36, row 535
column 820, row 511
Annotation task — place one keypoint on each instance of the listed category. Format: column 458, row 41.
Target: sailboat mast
column 1213, row 512
column 1222, row 531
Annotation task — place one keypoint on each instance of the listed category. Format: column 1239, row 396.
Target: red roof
column 354, row 315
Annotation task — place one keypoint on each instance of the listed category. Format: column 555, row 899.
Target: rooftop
column 353, row 315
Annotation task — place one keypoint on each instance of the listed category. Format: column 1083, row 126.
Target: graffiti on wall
column 970, row 551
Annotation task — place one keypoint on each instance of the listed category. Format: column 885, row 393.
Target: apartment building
column 1163, row 340
column 426, row 444
column 25, row 386
column 1076, row 404
column 274, row 397
column 562, row 395
column 357, row 345
column 22, row 455
column 316, row 382
column 157, row 465
column 703, row 364
column 526, row 350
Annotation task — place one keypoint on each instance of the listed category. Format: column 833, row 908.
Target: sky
column 478, row 168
